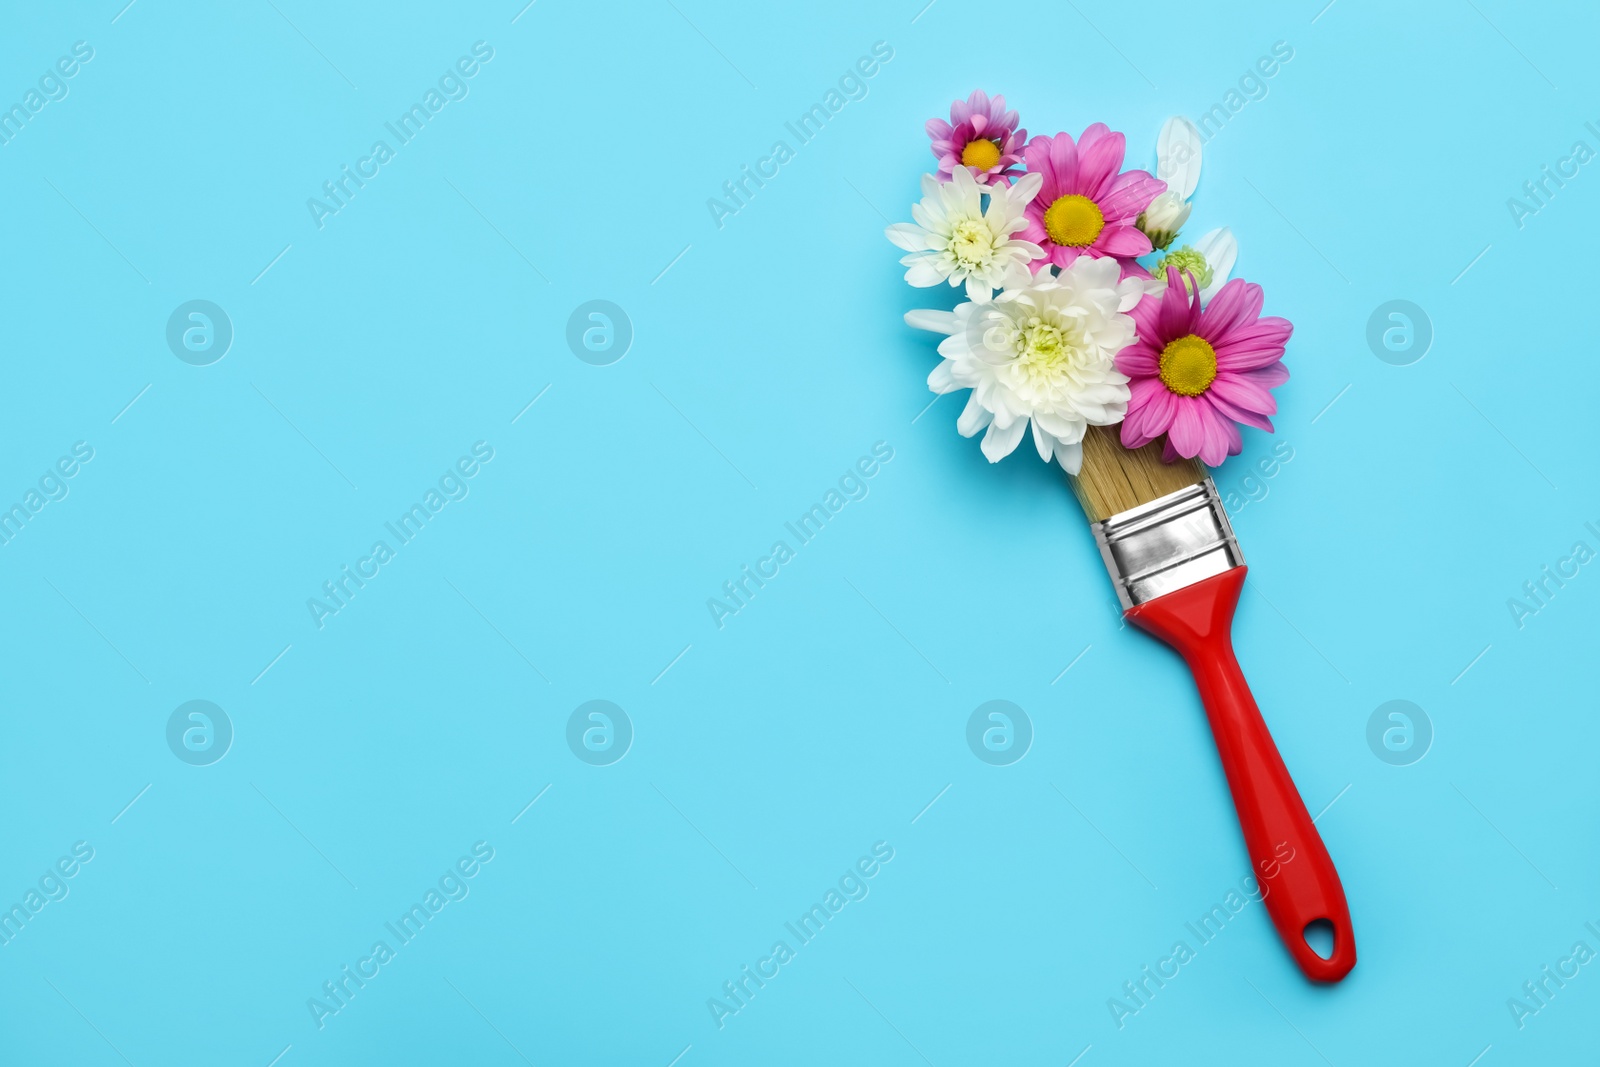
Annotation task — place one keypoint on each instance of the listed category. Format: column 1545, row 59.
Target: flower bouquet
column 1098, row 319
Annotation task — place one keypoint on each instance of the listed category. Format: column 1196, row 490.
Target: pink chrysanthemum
column 981, row 136
column 1197, row 375
column 1086, row 207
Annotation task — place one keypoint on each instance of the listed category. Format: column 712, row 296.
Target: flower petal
column 1064, row 160
column 1043, row 442
column 1147, row 319
column 1220, row 250
column 1237, row 304
column 1187, row 432
column 1001, row 441
column 1123, row 241
column 1151, row 406
column 909, row 236
column 1177, row 313
column 1242, row 394
column 1129, row 194
column 1036, row 158
column 1070, row 456
column 1178, row 156
column 1269, row 377
column 1219, row 436
column 1136, row 361
column 1026, row 188
column 1255, row 345
column 974, row 416
column 928, row 319
column 922, row 271
column 1247, row 418
column 1100, row 154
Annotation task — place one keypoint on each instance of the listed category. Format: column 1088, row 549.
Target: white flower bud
column 1167, row 212
column 1165, row 216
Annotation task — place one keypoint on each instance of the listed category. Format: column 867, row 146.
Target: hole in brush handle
column 1319, row 935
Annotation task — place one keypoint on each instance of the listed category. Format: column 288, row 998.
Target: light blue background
column 827, row 715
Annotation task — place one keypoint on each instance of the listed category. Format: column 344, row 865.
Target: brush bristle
column 1114, row 478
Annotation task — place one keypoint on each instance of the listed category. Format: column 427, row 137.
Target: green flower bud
column 1188, row 261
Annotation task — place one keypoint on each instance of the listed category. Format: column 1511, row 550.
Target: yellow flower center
column 1188, row 365
column 1074, row 220
column 980, row 154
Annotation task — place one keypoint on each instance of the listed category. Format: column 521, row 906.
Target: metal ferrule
column 1167, row 544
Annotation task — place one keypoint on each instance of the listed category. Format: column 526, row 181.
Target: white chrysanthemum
column 1043, row 353
column 956, row 239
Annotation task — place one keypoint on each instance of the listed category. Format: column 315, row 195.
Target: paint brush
column 1166, row 540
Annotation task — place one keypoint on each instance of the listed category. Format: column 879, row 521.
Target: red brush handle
column 1287, row 855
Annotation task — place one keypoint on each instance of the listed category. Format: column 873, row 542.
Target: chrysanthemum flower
column 1197, row 375
column 956, row 239
column 1085, row 206
column 981, row 136
column 1044, row 355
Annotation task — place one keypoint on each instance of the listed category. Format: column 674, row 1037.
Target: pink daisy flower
column 1086, row 207
column 1197, row 375
column 981, row 136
